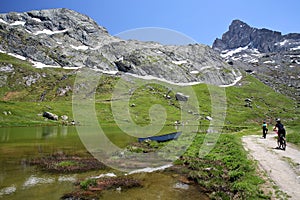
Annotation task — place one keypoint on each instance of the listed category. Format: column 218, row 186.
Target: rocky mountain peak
column 270, row 56
column 241, row 34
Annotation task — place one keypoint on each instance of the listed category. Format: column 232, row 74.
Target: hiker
column 279, row 127
column 265, row 129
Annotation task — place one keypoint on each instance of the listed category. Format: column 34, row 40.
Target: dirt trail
column 283, row 167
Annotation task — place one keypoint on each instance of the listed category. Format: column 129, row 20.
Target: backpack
column 280, row 127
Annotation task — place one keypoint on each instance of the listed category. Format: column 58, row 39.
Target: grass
column 67, row 163
column 225, row 172
column 293, row 134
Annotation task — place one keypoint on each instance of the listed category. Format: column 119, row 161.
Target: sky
column 201, row 20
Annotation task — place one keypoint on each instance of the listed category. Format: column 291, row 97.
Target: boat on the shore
column 162, row 138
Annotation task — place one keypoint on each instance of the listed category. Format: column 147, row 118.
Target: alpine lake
column 21, row 180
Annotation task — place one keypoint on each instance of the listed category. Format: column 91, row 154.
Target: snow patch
column 37, row 19
column 295, row 48
column 40, row 65
column 106, row 72
column 269, row 61
column 105, row 175
column 194, row 72
column 83, row 47
column 17, row 23
column 49, row 32
column 226, row 54
column 149, row 77
column 72, row 67
column 17, row 56
column 150, row 169
column 206, row 67
column 3, row 22
column 282, row 43
column 180, row 62
column 234, row 82
column 254, row 60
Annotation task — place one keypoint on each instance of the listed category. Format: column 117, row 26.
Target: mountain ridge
column 241, row 34
column 65, row 38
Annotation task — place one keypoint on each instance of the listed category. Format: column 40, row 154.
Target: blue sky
column 201, row 20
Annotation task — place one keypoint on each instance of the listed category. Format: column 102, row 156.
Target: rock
column 208, row 118
column 248, row 100
column 31, row 79
column 64, row 117
column 51, row 116
column 63, row 91
column 7, row 68
column 3, row 80
column 182, row 186
column 181, row 97
column 177, row 122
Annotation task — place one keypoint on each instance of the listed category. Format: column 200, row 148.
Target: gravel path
column 283, row 167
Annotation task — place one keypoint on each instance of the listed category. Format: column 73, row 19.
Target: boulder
column 64, row 117
column 181, row 97
column 208, row 118
column 50, row 115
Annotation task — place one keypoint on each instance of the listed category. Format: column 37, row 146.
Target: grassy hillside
column 27, row 92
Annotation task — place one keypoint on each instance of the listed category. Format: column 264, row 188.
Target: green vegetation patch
column 226, row 172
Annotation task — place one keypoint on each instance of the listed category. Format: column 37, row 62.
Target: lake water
column 18, row 180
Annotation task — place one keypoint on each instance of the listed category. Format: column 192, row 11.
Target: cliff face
column 65, row 38
column 270, row 56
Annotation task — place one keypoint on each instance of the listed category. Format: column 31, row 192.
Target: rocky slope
column 270, row 56
column 65, row 38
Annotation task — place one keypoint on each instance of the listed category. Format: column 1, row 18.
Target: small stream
column 18, row 180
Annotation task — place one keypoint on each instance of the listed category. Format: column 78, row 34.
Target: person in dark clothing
column 265, row 129
column 280, row 130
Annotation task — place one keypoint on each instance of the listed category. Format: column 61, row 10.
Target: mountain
column 270, row 56
column 66, row 39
